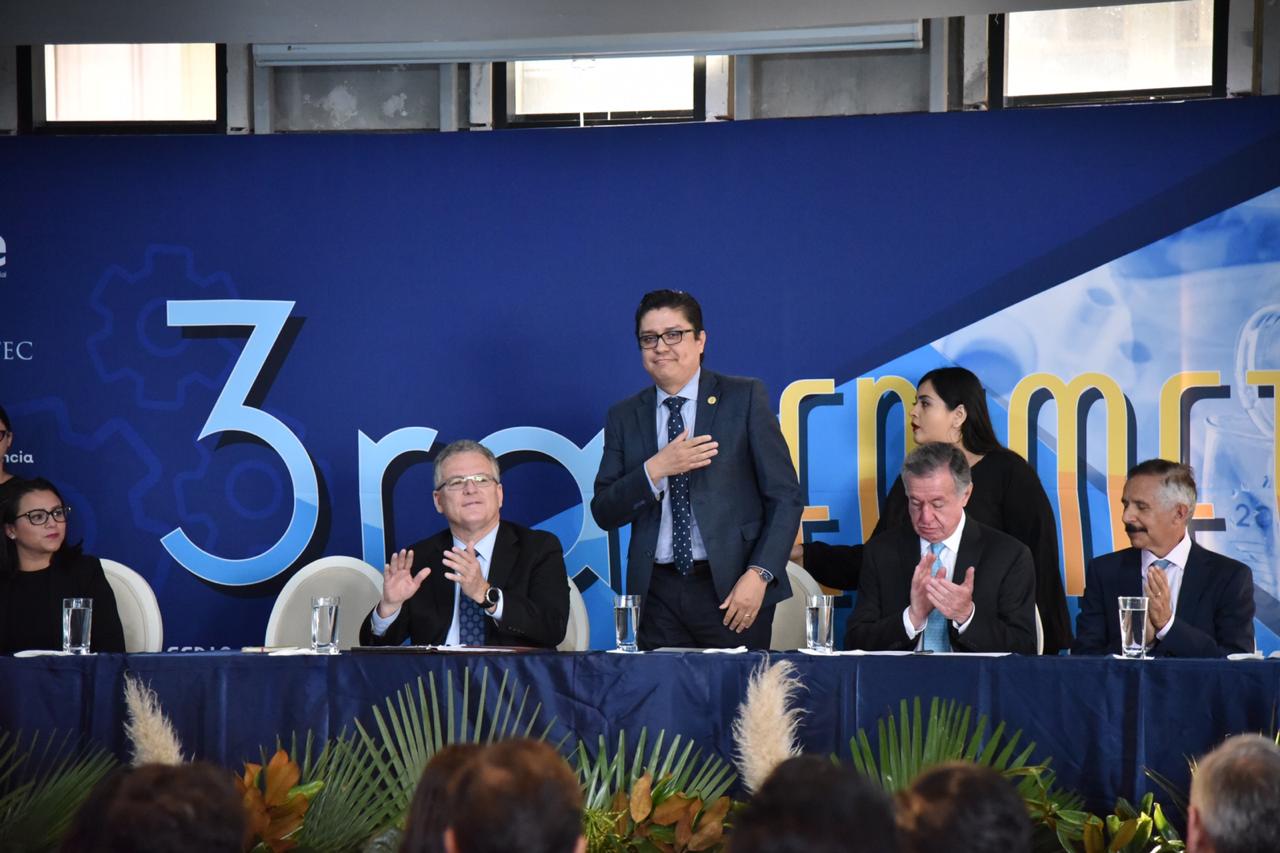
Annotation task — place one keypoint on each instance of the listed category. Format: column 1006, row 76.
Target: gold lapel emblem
column 711, row 401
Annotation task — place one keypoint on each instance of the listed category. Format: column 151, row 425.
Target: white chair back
column 788, row 616
column 358, row 583
column 577, row 634
column 139, row 611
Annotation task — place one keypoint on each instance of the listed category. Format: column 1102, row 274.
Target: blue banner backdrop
column 234, row 354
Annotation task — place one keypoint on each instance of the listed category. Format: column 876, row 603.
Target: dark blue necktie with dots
column 678, row 488
column 470, row 622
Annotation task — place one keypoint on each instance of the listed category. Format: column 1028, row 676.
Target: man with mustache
column 1200, row 604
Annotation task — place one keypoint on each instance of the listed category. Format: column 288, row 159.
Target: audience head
column 937, row 482
column 160, row 808
column 1159, row 499
column 515, row 795
column 951, row 406
column 963, row 808
column 430, row 810
column 810, row 805
column 1235, row 798
column 34, row 523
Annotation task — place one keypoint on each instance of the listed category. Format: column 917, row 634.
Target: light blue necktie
column 936, row 637
column 678, row 486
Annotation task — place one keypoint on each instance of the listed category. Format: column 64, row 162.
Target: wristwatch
column 492, row 596
column 765, row 574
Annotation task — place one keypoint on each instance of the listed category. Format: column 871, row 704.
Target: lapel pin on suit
column 711, row 401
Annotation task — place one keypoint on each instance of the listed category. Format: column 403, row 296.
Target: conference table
column 1102, row 721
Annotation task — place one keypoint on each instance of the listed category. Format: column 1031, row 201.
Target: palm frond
column 676, row 770
column 41, row 788
column 908, row 743
column 371, row 773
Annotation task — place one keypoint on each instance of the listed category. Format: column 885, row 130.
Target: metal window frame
column 503, row 80
column 31, row 101
column 997, row 70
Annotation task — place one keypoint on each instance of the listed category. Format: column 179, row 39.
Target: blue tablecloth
column 1101, row 720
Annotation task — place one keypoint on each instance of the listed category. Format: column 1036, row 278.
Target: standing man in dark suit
column 480, row 582
column 698, row 467
column 947, row 583
column 1199, row 604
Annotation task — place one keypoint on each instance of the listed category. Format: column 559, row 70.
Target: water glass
column 819, row 633
column 324, row 624
column 626, row 617
column 77, row 624
column 1133, row 625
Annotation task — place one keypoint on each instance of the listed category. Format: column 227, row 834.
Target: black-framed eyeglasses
column 4, row 433
column 40, row 517
column 457, row 484
column 671, row 337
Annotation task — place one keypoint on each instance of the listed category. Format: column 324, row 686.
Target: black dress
column 1007, row 495
column 31, row 606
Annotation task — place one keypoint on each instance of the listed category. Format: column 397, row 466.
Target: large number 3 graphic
column 230, row 414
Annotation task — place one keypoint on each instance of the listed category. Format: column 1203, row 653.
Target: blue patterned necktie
column 470, row 621
column 678, row 488
column 936, row 636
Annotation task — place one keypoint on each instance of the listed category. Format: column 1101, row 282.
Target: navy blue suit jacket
column 1215, row 606
column 746, row 502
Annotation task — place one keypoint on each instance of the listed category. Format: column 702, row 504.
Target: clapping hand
column 921, row 606
column 464, row 570
column 399, row 583
column 955, row 600
column 1159, row 601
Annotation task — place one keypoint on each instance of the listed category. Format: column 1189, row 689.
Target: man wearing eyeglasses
column 482, row 581
column 698, row 467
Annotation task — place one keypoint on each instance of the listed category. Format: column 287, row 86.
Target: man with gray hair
column 947, row 583
column 481, row 581
column 1199, row 604
column 1235, row 798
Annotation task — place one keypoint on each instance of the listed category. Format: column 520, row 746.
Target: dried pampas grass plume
column 764, row 732
column 150, row 733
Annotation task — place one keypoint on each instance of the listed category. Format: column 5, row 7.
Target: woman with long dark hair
column 951, row 406
column 38, row 569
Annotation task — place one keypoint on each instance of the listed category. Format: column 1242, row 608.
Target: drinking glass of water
column 626, row 616
column 819, row 633
column 77, row 624
column 1133, row 626
column 324, row 624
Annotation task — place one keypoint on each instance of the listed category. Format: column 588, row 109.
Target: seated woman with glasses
column 38, row 569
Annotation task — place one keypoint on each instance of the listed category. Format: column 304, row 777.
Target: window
column 122, row 87
column 581, row 92
column 1109, row 53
